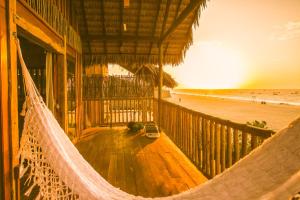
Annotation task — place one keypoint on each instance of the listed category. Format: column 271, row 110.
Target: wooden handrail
column 49, row 14
column 211, row 143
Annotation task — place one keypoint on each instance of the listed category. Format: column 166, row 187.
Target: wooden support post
column 236, row 145
column 78, row 81
column 61, row 79
column 160, row 84
column 13, row 96
column 5, row 154
column 65, row 87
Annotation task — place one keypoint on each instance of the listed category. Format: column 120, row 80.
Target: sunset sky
column 244, row 44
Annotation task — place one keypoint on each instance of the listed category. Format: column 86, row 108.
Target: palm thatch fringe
column 151, row 72
column 148, row 20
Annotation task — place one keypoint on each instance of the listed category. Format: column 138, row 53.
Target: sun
column 212, row 66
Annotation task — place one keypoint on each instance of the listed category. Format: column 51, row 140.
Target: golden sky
column 244, row 44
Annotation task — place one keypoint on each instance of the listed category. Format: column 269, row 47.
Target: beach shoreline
column 276, row 115
column 250, row 99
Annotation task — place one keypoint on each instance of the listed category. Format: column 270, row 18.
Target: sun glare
column 212, row 66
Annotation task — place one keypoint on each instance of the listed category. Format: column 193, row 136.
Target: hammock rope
column 272, row 171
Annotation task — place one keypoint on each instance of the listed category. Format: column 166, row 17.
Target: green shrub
column 259, row 124
column 135, row 126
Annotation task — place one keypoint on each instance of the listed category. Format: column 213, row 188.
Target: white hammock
column 272, row 171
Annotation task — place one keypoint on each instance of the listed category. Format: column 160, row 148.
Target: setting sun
column 211, row 65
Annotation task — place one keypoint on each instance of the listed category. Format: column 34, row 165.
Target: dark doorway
column 34, row 57
column 71, row 98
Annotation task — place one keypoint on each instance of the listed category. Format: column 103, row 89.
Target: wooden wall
column 16, row 18
column 5, row 182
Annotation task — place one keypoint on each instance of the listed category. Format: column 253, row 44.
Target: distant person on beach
column 179, row 99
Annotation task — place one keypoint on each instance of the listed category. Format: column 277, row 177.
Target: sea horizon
column 274, row 96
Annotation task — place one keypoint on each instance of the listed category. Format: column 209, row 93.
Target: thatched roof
column 148, row 24
column 151, row 71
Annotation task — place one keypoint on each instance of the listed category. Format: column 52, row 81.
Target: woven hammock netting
column 52, row 162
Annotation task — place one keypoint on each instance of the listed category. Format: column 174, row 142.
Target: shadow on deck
column 139, row 165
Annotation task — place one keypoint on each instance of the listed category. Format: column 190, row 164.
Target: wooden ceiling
column 113, row 32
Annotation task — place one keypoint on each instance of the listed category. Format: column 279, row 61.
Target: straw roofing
column 106, row 39
column 149, row 71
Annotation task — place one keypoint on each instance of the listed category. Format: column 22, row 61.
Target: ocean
column 275, row 96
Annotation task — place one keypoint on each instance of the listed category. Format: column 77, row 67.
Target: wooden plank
column 138, row 165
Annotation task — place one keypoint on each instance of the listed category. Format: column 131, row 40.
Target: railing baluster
column 208, row 143
column 253, row 141
column 229, row 147
column 236, row 145
column 212, row 144
column 244, row 143
column 212, row 148
column 218, row 148
column 204, row 144
column 223, row 148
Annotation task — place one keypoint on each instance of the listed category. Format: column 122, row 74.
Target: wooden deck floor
column 139, row 165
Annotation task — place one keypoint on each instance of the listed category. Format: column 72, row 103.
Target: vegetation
column 259, row 124
column 135, row 126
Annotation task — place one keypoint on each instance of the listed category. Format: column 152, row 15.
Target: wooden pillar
column 5, row 154
column 160, row 84
column 13, row 97
column 9, row 139
column 78, row 79
column 60, row 76
column 65, row 87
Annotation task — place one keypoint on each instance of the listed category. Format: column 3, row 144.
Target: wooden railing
column 211, row 143
column 50, row 13
column 116, row 100
column 116, row 111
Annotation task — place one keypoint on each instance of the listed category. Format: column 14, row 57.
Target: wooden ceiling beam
column 130, row 54
column 164, row 27
column 123, row 38
column 188, row 10
column 103, row 24
column 138, row 25
column 85, row 23
column 154, row 25
column 165, row 17
column 121, row 7
column 176, row 15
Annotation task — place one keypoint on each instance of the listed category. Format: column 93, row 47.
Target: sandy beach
column 277, row 116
